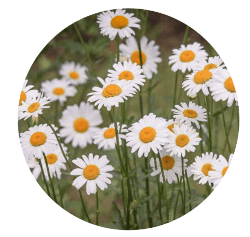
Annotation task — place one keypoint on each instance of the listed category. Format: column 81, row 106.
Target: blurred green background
column 168, row 34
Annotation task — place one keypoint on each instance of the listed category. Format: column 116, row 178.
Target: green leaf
column 118, row 216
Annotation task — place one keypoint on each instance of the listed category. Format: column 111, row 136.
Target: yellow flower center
column 223, row 172
column 81, row 125
column 111, row 91
column 147, row 134
column 74, row 75
column 202, row 76
column 127, row 75
column 23, row 97
column 58, row 91
column 190, row 113
column 167, row 162
column 182, row 140
column 187, row 56
column 135, row 57
column 206, row 168
column 109, row 133
column 51, row 158
column 38, row 139
column 210, row 66
column 229, row 85
column 33, row 107
column 119, row 22
column 91, row 172
column 170, row 127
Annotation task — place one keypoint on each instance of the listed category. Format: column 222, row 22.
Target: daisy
column 79, row 123
column 211, row 63
column 58, row 89
column 150, row 133
column 111, row 93
column 190, row 113
column 33, row 106
column 26, row 92
column 222, row 88
column 33, row 163
column 202, row 167
column 199, row 80
column 171, row 123
column 149, row 51
column 186, row 57
column 106, row 137
column 128, row 71
column 56, row 162
column 38, row 140
column 172, row 166
column 220, row 170
column 184, row 138
column 94, row 171
column 117, row 23
column 75, row 73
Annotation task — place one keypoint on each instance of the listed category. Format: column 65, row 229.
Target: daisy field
column 128, row 119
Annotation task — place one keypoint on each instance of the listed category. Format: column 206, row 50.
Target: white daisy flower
column 117, row 23
column 33, row 163
column 199, row 80
column 172, row 166
column 184, row 138
column 211, row 63
column 149, row 51
column 202, row 167
column 58, row 89
column 79, row 124
column 219, row 170
column 106, row 137
column 93, row 171
column 38, row 140
column 56, row 162
column 150, row 133
column 186, row 57
column 75, row 73
column 111, row 93
column 26, row 92
column 222, row 88
column 190, row 113
column 33, row 107
column 128, row 71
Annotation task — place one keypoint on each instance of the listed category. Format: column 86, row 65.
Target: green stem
column 57, row 138
column 149, row 96
column 60, row 192
column 56, row 112
column 45, row 181
column 238, row 117
column 209, row 123
column 189, row 191
column 50, row 180
column 186, row 35
column 177, row 197
column 175, row 89
column 225, row 128
column 83, row 207
column 97, row 208
column 184, row 188
column 117, row 48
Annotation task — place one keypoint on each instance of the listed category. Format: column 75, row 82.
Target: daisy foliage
column 83, row 132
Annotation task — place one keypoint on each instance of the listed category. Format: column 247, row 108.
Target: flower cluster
column 99, row 120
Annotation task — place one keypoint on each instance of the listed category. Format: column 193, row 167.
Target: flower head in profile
column 79, row 124
column 117, row 23
column 149, row 133
column 222, row 88
column 211, row 63
column 186, row 57
column 27, row 93
column 149, row 54
column 92, row 170
column 111, row 93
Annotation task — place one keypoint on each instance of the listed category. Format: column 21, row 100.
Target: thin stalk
column 85, row 49
column 208, row 188
column 117, row 48
column 209, row 123
column 149, row 95
column 238, row 117
column 184, row 188
column 97, row 208
column 189, row 191
column 28, row 123
column 177, row 197
column 56, row 112
column 60, row 192
column 46, row 185
column 57, row 138
column 225, row 128
column 175, row 89
column 83, row 207
column 186, row 35
column 50, row 180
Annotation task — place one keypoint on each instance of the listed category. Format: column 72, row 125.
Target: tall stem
column 60, row 192
column 45, row 181
column 189, row 191
column 175, row 89
column 184, row 188
column 209, row 123
column 83, row 207
column 97, row 208
column 56, row 112
column 225, row 128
